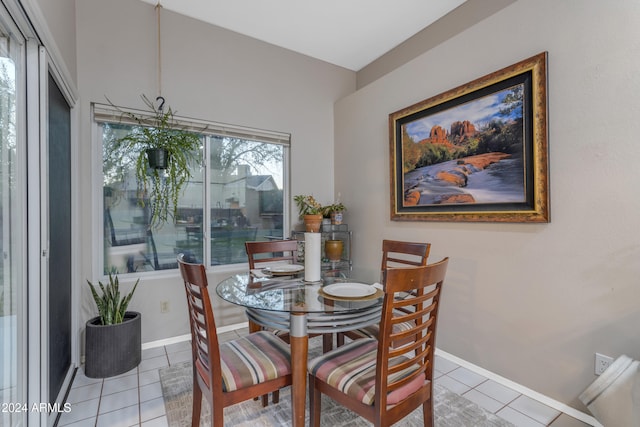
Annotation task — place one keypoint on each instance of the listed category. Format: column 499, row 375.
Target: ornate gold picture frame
column 475, row 153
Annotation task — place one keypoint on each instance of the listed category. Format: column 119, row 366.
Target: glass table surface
column 292, row 294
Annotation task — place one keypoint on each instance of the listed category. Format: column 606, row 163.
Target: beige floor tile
column 465, row 376
column 565, row 420
column 534, row 409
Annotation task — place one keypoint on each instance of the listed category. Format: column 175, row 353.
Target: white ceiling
column 348, row 33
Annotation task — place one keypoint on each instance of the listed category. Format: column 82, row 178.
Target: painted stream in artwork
column 500, row 182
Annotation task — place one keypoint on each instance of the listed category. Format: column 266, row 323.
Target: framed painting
column 475, row 153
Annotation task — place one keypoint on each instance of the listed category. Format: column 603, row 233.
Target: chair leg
column 217, row 411
column 327, row 342
column 427, row 412
column 265, row 398
column 197, row 404
column 314, row 403
column 339, row 339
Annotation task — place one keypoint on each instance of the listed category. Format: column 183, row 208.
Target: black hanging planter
column 113, row 349
column 158, row 158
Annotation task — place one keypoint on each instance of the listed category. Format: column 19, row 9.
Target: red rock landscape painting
column 470, row 154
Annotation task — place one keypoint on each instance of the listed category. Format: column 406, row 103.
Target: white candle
column 312, row 256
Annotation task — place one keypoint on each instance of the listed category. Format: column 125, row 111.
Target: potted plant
column 113, row 338
column 165, row 150
column 310, row 211
column 335, row 212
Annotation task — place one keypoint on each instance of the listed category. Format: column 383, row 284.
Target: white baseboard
column 187, row 337
column 585, row 418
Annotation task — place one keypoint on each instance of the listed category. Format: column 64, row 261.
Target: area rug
column 451, row 410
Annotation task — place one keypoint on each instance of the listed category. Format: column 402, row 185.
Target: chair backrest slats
column 414, row 345
column 403, row 261
column 411, row 297
column 404, row 334
column 271, row 251
column 204, row 339
column 396, row 253
column 405, row 379
column 403, row 302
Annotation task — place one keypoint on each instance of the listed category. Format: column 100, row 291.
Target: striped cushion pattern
column 351, row 369
column 373, row 331
column 253, row 359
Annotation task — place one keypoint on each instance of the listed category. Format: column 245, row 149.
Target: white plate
column 285, row 269
column 349, row 290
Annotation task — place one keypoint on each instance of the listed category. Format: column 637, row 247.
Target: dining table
column 286, row 302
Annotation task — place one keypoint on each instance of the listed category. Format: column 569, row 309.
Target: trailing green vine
column 159, row 189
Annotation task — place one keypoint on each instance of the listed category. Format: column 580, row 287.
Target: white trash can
column 614, row 397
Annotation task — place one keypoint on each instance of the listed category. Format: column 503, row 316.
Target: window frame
column 103, row 113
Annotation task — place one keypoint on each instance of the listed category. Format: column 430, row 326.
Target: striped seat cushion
column 351, row 369
column 253, row 359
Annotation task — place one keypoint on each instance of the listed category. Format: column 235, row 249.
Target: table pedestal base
column 299, row 349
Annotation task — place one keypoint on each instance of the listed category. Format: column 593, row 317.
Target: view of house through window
column 237, row 192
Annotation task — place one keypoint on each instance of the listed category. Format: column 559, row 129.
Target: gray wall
column 56, row 19
column 530, row 302
column 208, row 73
column 459, row 19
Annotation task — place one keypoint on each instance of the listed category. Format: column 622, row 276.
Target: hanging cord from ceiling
column 159, row 98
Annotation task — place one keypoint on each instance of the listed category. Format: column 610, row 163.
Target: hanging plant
column 159, row 186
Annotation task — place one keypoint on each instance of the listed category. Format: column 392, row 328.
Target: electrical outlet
column 602, row 363
column 164, row 306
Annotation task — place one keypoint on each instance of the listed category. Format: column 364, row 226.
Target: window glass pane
column 239, row 193
column 125, row 235
column 190, row 217
column 11, row 226
column 246, row 196
column 130, row 245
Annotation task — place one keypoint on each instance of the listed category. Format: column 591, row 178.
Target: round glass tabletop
column 293, row 294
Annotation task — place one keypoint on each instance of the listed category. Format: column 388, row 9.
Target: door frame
column 42, row 57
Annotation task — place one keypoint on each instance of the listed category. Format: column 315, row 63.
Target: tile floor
column 135, row 398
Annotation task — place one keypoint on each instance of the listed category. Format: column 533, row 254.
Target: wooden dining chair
column 274, row 251
column 266, row 252
column 384, row 380
column 395, row 253
column 271, row 251
column 230, row 372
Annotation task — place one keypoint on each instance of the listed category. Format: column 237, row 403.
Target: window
column 236, row 187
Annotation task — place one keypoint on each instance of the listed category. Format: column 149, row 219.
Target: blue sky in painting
column 479, row 112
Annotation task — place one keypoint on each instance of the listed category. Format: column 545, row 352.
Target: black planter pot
column 158, row 158
column 113, row 349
